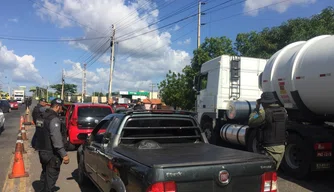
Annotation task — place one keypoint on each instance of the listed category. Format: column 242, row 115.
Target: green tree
column 265, row 43
column 98, row 94
column 172, row 89
column 69, row 89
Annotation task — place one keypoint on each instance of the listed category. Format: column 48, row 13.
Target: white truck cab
column 222, row 80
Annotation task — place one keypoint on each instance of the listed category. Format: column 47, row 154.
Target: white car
column 2, row 121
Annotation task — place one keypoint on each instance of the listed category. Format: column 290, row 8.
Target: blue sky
column 140, row 60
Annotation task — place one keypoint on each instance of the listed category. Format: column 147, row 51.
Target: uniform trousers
column 51, row 168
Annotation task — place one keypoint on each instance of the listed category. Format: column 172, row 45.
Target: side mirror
column 196, row 91
column 83, row 136
column 195, row 84
column 106, row 137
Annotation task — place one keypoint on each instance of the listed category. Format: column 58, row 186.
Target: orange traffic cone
column 20, row 146
column 18, row 169
column 23, row 133
column 27, row 117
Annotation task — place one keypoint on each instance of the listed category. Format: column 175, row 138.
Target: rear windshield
column 162, row 130
column 94, row 111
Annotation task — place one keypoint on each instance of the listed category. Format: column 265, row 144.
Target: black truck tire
column 212, row 132
column 297, row 157
column 252, row 144
column 82, row 178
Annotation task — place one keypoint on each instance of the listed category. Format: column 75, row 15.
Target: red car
column 14, row 104
column 82, row 118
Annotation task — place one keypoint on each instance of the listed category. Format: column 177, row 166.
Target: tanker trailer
column 300, row 76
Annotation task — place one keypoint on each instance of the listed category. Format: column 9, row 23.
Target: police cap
column 58, row 101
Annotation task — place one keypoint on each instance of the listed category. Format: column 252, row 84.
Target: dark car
column 5, row 106
column 146, row 151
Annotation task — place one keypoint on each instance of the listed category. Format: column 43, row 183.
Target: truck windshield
column 160, row 129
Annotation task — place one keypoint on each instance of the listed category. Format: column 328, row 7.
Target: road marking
column 9, row 183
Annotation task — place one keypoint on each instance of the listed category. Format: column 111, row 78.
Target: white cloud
column 176, row 27
column 14, row 20
column 21, row 68
column 185, row 42
column 277, row 6
column 139, row 61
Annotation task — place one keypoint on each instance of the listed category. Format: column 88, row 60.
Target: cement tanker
column 300, row 76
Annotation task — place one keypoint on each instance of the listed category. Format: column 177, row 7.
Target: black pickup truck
column 166, row 151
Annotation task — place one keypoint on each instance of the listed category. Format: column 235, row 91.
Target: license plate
column 324, row 154
column 323, row 165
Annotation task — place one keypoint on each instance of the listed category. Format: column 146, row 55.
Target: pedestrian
column 37, row 113
column 29, row 101
column 270, row 124
column 50, row 144
column 139, row 105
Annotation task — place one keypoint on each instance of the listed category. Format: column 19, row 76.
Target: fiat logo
column 224, row 177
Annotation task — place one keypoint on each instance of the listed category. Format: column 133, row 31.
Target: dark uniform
column 138, row 106
column 29, row 101
column 50, row 144
column 270, row 123
column 37, row 113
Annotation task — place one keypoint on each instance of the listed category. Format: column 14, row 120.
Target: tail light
column 323, row 146
column 169, row 186
column 74, row 121
column 269, row 182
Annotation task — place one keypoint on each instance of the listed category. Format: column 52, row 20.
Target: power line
column 145, row 33
column 187, row 7
column 48, row 40
column 95, row 49
column 224, row 18
column 124, row 58
column 180, row 20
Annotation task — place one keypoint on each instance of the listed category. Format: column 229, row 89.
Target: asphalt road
column 68, row 176
column 8, row 141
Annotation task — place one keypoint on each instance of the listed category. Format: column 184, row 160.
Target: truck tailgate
column 196, row 167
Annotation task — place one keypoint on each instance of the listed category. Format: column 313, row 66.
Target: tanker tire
column 252, row 142
column 297, row 158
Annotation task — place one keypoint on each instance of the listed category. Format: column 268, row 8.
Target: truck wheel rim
column 292, row 153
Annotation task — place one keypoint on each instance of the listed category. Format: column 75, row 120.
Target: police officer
column 37, row 109
column 270, row 124
column 37, row 113
column 50, row 144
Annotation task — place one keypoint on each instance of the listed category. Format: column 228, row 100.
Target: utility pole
column 62, row 85
column 199, row 23
column 112, row 44
column 152, row 87
column 83, row 92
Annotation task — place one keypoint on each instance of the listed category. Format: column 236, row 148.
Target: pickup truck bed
column 196, row 167
column 175, row 155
